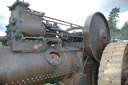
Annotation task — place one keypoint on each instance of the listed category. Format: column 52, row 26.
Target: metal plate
column 96, row 35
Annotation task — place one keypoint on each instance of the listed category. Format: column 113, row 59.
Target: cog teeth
column 111, row 64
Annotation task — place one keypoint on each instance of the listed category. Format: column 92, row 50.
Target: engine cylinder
column 35, row 68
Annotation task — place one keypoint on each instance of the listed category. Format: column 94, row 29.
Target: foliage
column 124, row 31
column 112, row 22
column 113, row 18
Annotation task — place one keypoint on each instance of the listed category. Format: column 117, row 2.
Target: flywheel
column 95, row 35
column 113, row 68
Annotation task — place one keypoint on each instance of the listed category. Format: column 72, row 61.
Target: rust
column 37, row 50
column 96, row 35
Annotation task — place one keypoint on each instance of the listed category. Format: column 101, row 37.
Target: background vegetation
column 115, row 32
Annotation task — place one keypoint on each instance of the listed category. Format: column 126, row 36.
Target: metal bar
column 69, row 29
column 57, row 22
column 61, row 21
column 33, row 12
column 70, row 35
column 32, row 38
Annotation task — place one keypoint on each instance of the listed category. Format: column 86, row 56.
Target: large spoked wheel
column 113, row 68
column 96, row 35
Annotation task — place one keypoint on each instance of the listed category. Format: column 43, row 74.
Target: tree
column 112, row 22
column 124, row 31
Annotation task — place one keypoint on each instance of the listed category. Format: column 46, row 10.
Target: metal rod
column 70, row 24
column 69, row 29
column 57, row 22
column 61, row 21
column 70, row 35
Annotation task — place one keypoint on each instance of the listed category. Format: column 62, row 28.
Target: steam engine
column 37, row 50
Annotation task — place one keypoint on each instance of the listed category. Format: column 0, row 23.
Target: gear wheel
column 114, row 65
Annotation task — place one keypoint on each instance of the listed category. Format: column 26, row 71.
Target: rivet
column 22, row 80
column 20, row 84
column 36, row 77
column 17, row 81
column 27, row 79
column 45, row 77
column 6, row 84
column 12, row 82
column 48, row 76
column 40, row 77
column 31, row 78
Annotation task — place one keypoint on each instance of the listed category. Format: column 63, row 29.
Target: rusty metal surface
column 114, row 64
column 31, row 25
column 40, row 51
column 96, row 35
column 24, row 46
column 33, row 68
column 88, row 73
